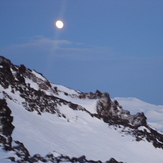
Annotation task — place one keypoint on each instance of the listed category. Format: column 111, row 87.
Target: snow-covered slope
column 61, row 125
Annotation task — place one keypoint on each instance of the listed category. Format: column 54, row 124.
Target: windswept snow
column 4, row 156
column 38, row 75
column 64, row 89
column 32, row 84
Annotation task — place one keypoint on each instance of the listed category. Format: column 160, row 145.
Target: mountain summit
column 45, row 122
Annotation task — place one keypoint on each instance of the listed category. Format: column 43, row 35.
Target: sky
column 114, row 46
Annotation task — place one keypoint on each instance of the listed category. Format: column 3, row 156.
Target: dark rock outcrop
column 6, row 126
column 112, row 113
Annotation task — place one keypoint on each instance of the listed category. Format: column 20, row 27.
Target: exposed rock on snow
column 30, row 91
column 110, row 110
column 6, row 126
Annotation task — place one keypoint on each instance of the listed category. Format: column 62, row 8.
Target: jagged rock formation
column 46, row 99
column 113, row 114
column 110, row 110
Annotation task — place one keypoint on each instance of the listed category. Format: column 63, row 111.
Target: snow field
column 82, row 136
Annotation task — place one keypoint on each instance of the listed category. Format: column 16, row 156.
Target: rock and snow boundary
column 45, row 117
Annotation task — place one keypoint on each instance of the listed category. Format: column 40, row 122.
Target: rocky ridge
column 45, row 98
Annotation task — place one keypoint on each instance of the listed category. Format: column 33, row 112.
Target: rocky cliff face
column 40, row 95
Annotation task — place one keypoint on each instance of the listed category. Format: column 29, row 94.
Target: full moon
column 59, row 24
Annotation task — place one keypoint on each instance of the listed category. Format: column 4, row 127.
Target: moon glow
column 59, row 24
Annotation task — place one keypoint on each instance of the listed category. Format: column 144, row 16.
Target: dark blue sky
column 113, row 46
